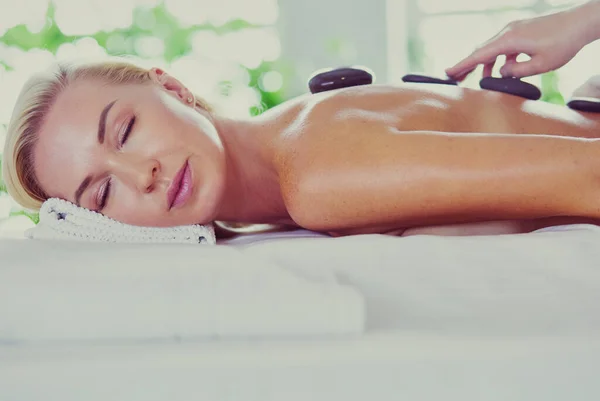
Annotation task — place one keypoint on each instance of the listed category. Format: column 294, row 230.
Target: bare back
column 419, row 107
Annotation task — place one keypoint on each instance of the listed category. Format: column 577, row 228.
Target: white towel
column 60, row 219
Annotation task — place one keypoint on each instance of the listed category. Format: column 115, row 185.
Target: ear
column 173, row 86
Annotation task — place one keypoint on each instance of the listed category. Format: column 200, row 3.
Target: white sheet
column 539, row 283
column 61, row 291
column 546, row 282
column 390, row 366
column 448, row 318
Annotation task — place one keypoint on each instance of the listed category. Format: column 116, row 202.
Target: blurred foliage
column 177, row 40
column 550, row 91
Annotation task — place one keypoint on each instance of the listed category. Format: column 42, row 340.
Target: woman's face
column 140, row 154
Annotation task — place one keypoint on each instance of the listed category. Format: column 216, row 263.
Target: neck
column 252, row 191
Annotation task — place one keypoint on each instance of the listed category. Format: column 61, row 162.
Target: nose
column 141, row 173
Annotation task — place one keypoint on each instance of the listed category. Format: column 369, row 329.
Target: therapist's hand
column 551, row 41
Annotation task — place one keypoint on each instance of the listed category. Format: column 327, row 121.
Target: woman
column 138, row 146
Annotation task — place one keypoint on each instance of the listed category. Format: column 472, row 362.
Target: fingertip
column 451, row 73
column 457, row 74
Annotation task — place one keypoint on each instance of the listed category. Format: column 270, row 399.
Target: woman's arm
column 366, row 173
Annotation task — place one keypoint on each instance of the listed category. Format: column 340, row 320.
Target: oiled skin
column 333, row 141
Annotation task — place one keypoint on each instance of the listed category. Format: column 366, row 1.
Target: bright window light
column 566, row 2
column 249, row 47
column 446, row 42
column 23, row 64
column 29, row 12
column 83, row 48
column 149, row 46
column 271, row 81
column 578, row 70
column 437, row 6
column 193, row 12
column 2, row 136
column 5, row 206
column 78, row 17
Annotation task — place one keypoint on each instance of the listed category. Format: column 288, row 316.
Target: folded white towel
column 60, row 219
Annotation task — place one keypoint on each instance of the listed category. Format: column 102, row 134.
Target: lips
column 181, row 187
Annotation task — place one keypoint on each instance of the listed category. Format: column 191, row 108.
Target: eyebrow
column 102, row 122
column 84, row 184
column 101, row 134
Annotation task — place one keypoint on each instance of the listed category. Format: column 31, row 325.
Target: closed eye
column 125, row 135
column 103, row 194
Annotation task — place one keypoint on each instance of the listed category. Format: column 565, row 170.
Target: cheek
column 136, row 214
column 163, row 131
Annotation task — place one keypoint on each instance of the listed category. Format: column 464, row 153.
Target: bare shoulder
column 341, row 119
column 323, row 120
column 329, row 134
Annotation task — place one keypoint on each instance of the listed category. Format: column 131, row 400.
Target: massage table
column 509, row 317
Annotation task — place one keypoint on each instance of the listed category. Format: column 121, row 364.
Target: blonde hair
column 33, row 104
